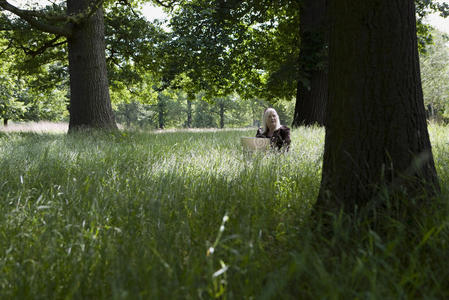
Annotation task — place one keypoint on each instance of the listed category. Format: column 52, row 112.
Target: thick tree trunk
column 376, row 131
column 90, row 104
column 311, row 97
column 311, row 102
column 5, row 122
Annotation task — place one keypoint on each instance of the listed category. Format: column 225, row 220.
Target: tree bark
column 160, row 110
column 311, row 102
column 128, row 115
column 189, row 113
column 222, row 111
column 312, row 87
column 90, row 104
column 376, row 131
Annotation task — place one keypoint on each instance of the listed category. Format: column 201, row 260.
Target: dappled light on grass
column 192, row 215
column 133, row 207
column 39, row 127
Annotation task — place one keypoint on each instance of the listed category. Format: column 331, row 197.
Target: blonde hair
column 266, row 113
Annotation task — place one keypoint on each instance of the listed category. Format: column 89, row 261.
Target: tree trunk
column 376, row 131
column 160, row 110
column 312, row 89
column 128, row 115
column 222, row 111
column 255, row 107
column 90, row 104
column 189, row 113
column 5, row 122
column 311, row 102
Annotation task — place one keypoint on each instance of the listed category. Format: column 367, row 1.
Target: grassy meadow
column 189, row 215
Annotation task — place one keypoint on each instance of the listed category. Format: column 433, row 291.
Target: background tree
column 435, row 77
column 30, row 90
column 24, row 98
column 234, row 46
column 267, row 49
column 82, row 26
column 312, row 86
column 424, row 31
column 188, row 123
column 10, row 105
column 376, row 132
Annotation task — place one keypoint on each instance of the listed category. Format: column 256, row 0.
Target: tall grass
column 138, row 215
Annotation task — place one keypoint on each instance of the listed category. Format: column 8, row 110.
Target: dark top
column 280, row 138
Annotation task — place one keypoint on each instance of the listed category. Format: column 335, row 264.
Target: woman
column 278, row 134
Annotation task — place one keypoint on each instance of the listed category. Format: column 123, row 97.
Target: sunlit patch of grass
column 38, row 127
column 440, row 144
column 135, row 215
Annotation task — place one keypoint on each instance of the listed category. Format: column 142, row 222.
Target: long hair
column 266, row 113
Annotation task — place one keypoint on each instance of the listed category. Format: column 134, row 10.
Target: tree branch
column 88, row 12
column 95, row 7
column 7, row 48
column 162, row 4
column 31, row 18
column 126, row 2
column 170, row 4
column 40, row 14
column 48, row 44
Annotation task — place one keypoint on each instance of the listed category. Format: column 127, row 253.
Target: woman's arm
column 286, row 136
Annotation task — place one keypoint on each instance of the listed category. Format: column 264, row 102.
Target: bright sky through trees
column 440, row 23
column 152, row 12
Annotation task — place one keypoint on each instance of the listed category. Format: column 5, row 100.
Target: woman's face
column 271, row 120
